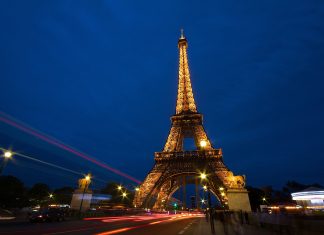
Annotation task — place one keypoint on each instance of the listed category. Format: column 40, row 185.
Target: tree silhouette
column 116, row 194
column 39, row 194
column 63, row 195
column 12, row 192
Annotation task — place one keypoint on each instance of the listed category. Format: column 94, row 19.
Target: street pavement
column 103, row 225
column 132, row 225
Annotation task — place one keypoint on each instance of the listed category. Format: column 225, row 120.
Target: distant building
column 310, row 198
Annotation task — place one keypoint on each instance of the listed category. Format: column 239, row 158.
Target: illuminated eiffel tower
column 175, row 167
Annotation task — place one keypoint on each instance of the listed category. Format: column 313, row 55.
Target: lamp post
column 86, row 184
column 203, row 176
column 6, row 156
column 211, row 217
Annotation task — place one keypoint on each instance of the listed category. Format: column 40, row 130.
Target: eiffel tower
column 174, row 167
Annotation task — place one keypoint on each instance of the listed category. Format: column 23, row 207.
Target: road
column 156, row 224
column 126, row 225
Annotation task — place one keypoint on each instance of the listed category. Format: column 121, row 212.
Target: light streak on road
column 120, row 230
column 153, row 217
column 9, row 121
column 134, row 218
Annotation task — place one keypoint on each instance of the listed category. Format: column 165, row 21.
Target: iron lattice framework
column 173, row 163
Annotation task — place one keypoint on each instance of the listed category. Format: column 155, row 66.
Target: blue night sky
column 101, row 76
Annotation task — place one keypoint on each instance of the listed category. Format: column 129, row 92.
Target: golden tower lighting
column 203, row 176
column 203, row 143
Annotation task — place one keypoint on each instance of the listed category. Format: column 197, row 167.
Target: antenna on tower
column 182, row 35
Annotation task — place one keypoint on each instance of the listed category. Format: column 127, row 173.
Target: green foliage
column 12, row 192
column 116, row 194
column 63, row 195
column 255, row 196
column 39, row 194
column 293, row 186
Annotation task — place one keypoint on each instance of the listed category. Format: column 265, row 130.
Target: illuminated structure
column 174, row 167
column 310, row 198
column 82, row 196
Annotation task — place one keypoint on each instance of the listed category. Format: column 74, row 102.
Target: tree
column 39, row 193
column 12, row 192
column 63, row 195
column 255, row 196
column 268, row 193
column 112, row 189
column 293, row 186
column 281, row 197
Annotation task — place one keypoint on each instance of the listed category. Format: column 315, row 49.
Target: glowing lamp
column 203, row 176
column 7, row 154
column 203, row 143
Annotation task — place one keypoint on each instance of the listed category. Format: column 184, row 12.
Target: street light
column 203, row 176
column 51, row 196
column 137, row 189
column 205, row 187
column 87, row 180
column 119, row 187
column 124, row 194
column 6, row 156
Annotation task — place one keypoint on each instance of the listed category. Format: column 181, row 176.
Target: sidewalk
column 203, row 228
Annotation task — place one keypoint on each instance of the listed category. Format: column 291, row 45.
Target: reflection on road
column 164, row 218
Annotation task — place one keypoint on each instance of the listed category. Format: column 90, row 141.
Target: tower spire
column 182, row 35
column 185, row 98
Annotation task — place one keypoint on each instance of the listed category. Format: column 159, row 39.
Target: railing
column 212, row 153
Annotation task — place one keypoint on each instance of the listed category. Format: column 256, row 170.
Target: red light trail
column 59, row 144
column 164, row 218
